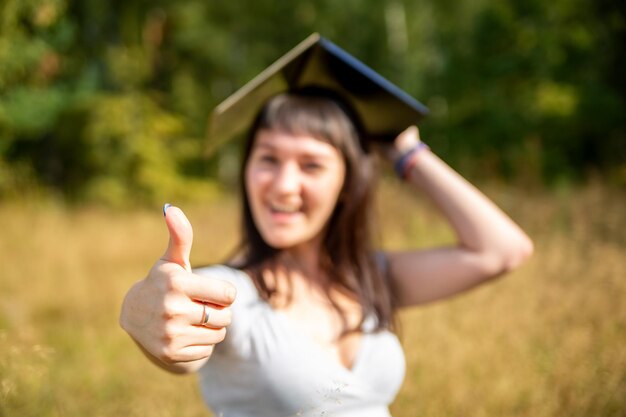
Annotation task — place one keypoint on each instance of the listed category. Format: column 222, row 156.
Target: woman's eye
column 313, row 166
column 268, row 159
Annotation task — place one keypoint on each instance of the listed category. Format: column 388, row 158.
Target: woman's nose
column 287, row 179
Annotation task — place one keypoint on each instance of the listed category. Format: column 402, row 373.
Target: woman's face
column 292, row 183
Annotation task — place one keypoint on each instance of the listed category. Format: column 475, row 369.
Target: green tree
column 110, row 100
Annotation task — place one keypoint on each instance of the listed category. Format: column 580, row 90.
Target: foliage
column 109, row 100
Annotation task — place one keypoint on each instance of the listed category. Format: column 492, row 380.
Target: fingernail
column 165, row 207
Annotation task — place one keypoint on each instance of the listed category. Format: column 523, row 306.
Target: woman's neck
column 305, row 259
column 304, row 262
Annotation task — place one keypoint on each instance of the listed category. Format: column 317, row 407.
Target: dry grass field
column 548, row 340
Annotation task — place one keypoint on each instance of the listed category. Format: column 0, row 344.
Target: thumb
column 181, row 237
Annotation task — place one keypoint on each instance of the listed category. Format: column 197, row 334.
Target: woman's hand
column 405, row 141
column 404, row 151
column 175, row 316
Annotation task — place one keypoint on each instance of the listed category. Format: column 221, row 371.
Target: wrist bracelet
column 403, row 165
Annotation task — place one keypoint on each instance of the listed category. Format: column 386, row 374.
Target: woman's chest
column 335, row 330
column 280, row 365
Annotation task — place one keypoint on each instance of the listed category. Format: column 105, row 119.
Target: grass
column 548, row 340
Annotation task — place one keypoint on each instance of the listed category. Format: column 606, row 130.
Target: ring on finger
column 205, row 315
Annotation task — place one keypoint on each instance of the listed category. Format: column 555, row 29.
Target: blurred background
column 103, row 115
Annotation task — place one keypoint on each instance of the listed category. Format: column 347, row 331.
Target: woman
column 310, row 330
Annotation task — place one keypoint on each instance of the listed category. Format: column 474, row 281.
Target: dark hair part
column 347, row 255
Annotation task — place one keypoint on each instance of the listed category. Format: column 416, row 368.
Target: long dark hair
column 347, row 255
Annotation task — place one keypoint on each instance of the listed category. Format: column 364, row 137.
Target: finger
column 181, row 237
column 210, row 316
column 194, row 353
column 208, row 290
column 183, row 336
column 186, row 354
column 204, row 336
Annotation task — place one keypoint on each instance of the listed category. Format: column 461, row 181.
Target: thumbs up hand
column 175, row 316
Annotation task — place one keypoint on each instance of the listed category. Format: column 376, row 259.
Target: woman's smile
column 284, row 213
column 286, row 208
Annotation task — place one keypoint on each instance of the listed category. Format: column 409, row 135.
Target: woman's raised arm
column 489, row 242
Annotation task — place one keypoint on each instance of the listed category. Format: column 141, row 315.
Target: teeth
column 284, row 208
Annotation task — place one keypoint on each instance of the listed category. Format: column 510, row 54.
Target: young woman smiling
column 310, row 329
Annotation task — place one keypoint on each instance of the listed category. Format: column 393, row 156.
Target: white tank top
column 267, row 367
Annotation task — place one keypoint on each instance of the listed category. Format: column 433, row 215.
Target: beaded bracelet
column 407, row 161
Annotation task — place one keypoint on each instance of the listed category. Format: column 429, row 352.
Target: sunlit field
column 547, row 340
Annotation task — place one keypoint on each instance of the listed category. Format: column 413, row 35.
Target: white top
column 267, row 367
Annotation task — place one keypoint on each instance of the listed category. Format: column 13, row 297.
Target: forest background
column 103, row 118
column 109, row 101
